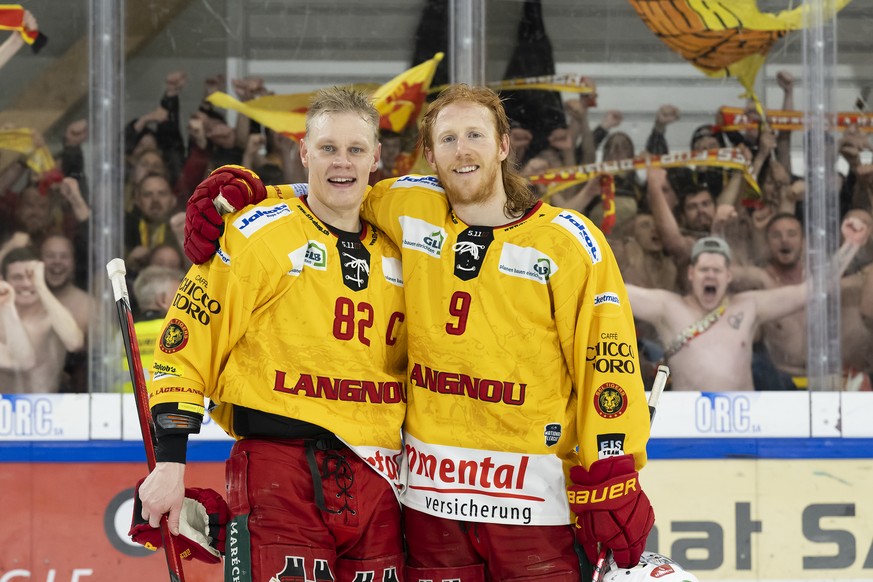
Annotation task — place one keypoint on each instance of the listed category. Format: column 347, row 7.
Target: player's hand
column 203, row 225
column 162, row 492
column 201, row 525
column 611, row 509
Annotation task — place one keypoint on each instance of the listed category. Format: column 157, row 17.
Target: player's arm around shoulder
column 416, row 196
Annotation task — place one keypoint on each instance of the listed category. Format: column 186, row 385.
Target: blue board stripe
column 100, row 451
column 697, row 448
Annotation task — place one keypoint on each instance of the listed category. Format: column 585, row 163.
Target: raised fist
column 666, row 115
column 785, row 80
column 613, row 118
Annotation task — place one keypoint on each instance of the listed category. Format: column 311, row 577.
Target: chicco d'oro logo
column 610, row 400
column 175, row 337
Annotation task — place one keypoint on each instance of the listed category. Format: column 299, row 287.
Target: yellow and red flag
column 565, row 82
column 24, row 141
column 285, row 114
column 12, row 18
column 558, row 179
column 722, row 37
column 398, row 101
column 737, row 119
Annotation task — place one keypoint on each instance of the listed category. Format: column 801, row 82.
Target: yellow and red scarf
column 12, row 18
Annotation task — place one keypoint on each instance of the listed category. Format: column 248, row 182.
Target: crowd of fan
column 659, row 216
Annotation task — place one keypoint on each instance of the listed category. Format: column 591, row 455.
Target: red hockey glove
column 202, row 526
column 203, row 226
column 611, row 508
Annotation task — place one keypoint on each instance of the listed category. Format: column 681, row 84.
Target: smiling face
column 466, row 153
column 709, row 276
column 785, row 241
column 340, row 151
column 57, row 254
column 18, row 275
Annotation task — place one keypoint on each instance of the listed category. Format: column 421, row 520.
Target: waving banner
column 561, row 178
column 12, row 18
column 566, row 82
column 398, row 101
column 25, row 141
column 737, row 119
column 722, row 38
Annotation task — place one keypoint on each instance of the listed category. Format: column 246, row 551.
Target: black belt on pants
column 250, row 423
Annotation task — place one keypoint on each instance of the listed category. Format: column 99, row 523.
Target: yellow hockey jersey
column 147, row 333
column 291, row 319
column 521, row 348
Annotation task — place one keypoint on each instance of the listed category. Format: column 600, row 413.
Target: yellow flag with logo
column 23, row 141
column 722, row 38
column 398, row 101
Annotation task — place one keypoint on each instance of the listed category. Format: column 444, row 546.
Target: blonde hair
column 343, row 100
column 519, row 196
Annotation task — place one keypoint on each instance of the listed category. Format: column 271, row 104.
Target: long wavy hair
column 519, row 197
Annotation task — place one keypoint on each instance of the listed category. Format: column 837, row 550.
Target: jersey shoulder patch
column 582, row 231
column 254, row 219
column 413, row 181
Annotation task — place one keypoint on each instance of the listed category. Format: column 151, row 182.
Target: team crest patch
column 610, row 400
column 552, row 434
column 175, row 337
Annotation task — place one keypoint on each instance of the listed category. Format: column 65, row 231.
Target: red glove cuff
column 212, row 531
column 238, row 185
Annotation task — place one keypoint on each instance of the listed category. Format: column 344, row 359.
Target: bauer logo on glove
column 202, row 526
column 602, row 495
column 611, row 509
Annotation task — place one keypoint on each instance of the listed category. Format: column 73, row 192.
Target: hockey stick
column 657, row 387
column 117, row 271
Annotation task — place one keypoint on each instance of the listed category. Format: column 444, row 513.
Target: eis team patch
column 175, row 337
column 610, row 400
